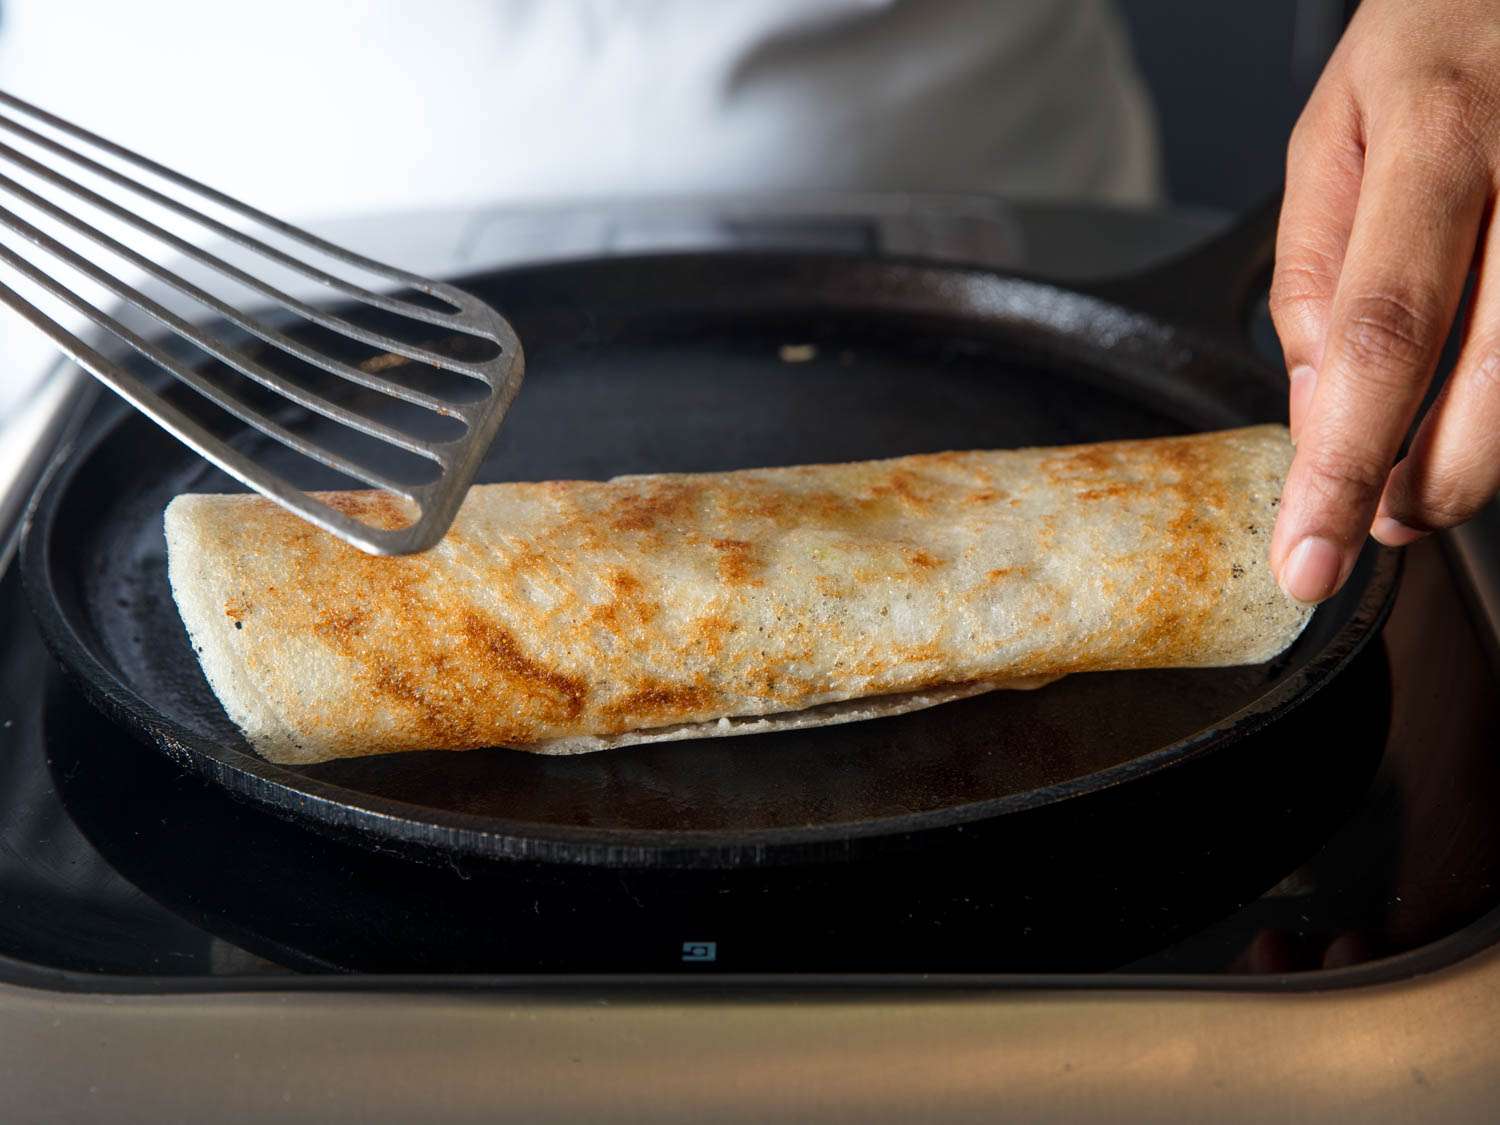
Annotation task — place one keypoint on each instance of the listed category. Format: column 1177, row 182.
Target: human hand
column 1392, row 174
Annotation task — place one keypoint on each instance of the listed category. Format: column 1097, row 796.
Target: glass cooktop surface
column 1380, row 839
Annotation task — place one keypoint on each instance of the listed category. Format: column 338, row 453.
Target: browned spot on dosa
column 629, row 606
column 895, row 494
column 400, row 685
column 1003, row 572
column 338, row 626
column 1186, row 582
column 654, row 701
column 450, row 675
column 563, row 695
column 987, row 496
column 736, row 561
column 711, row 631
column 1089, row 461
column 904, row 486
column 787, row 507
column 1182, row 583
column 379, row 509
column 655, row 505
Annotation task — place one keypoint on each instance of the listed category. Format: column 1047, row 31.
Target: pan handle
column 1211, row 286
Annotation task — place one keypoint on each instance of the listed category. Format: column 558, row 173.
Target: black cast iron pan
column 675, row 363
column 1079, row 885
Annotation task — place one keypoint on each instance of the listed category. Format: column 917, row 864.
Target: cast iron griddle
column 677, row 364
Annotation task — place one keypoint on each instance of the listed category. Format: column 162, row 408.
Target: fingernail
column 1311, row 571
column 1394, row 533
column 1304, row 381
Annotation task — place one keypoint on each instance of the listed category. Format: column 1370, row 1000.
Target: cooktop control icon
column 698, row 951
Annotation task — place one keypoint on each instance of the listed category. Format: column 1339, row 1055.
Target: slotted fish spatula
column 491, row 380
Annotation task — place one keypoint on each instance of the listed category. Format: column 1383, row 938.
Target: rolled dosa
column 567, row 616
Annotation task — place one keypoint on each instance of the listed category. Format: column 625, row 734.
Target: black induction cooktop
column 119, row 869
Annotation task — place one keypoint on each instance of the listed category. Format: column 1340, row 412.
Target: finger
column 1324, row 162
column 1453, row 467
column 1409, row 251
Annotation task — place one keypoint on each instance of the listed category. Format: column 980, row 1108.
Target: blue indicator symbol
column 700, row 951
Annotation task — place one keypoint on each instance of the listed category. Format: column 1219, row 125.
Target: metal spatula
column 281, row 367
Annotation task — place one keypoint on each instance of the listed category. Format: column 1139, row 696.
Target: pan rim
column 375, row 819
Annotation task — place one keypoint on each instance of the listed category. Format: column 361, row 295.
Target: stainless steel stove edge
column 1426, row 1047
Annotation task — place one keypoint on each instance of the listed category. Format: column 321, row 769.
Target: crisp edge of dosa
column 820, row 715
column 197, row 599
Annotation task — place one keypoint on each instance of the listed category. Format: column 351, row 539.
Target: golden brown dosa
column 567, row 616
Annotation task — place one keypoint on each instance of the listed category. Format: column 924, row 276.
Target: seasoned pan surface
column 710, row 362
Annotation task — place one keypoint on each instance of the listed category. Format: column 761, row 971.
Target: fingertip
column 1313, row 570
column 1393, row 533
column 1387, row 527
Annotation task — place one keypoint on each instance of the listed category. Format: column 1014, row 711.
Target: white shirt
column 318, row 108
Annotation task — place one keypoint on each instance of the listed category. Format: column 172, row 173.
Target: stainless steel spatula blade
column 430, row 504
